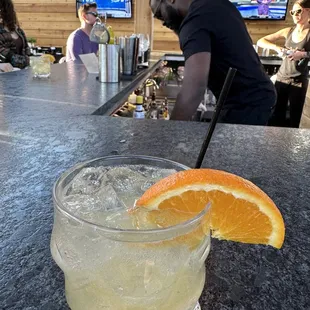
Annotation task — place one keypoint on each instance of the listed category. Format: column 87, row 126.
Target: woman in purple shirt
column 78, row 42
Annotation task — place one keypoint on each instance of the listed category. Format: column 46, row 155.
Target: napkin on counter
column 91, row 63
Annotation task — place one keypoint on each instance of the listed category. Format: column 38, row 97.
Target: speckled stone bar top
column 35, row 153
column 40, row 139
column 71, row 85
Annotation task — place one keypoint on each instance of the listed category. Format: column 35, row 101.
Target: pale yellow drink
column 109, row 264
column 41, row 67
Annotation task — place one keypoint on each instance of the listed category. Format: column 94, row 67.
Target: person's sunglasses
column 296, row 12
column 95, row 14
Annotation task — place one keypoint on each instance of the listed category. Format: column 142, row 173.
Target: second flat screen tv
column 262, row 9
column 113, row 8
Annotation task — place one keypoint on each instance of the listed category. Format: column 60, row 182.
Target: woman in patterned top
column 13, row 43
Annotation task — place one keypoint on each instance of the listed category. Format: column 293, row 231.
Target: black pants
column 289, row 91
column 258, row 113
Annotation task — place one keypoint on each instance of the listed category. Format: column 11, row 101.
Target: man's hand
column 195, row 82
column 6, row 67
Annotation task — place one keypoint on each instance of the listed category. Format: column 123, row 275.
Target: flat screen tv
column 262, row 9
column 113, row 8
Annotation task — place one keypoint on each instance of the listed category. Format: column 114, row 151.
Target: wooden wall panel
column 166, row 40
column 51, row 21
column 143, row 17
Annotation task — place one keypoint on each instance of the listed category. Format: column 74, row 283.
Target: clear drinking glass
column 41, row 67
column 108, row 263
column 144, row 45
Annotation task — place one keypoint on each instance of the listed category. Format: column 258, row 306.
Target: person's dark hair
column 85, row 8
column 8, row 14
column 303, row 3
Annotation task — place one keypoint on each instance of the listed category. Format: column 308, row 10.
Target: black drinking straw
column 225, row 90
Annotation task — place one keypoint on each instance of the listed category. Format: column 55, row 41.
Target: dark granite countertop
column 35, row 150
column 46, row 127
column 70, row 85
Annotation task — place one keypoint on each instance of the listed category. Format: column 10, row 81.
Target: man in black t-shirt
column 213, row 38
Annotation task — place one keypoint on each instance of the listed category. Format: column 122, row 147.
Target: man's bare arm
column 195, row 82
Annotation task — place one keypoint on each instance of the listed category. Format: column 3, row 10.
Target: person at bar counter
column 78, row 42
column 292, row 78
column 14, row 49
column 213, row 37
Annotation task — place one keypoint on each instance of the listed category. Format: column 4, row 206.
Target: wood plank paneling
column 166, row 40
column 160, row 43
column 40, row 8
column 143, row 20
column 51, row 21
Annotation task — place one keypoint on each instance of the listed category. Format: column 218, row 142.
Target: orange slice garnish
column 240, row 211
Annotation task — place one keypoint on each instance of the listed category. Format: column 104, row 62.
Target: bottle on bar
column 110, row 30
column 166, row 110
column 112, row 35
column 162, row 110
column 139, row 112
column 152, row 112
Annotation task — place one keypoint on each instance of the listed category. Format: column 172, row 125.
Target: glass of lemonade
column 41, row 67
column 107, row 261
